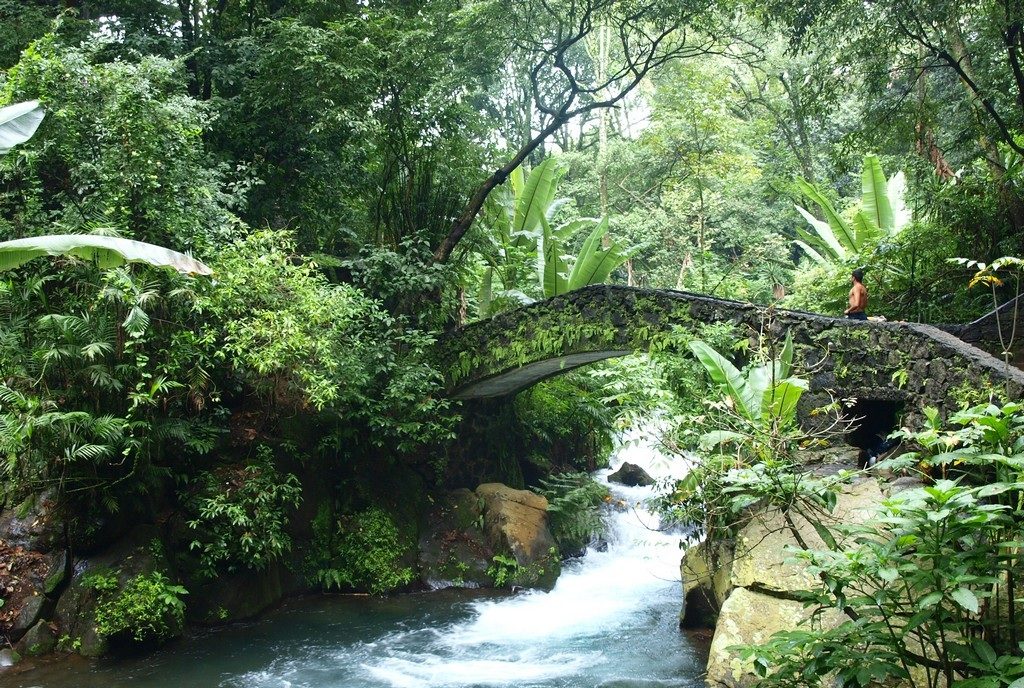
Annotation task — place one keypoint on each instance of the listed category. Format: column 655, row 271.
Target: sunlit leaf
column 18, row 123
column 105, row 251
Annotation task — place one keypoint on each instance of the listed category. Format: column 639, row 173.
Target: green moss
column 968, row 394
column 647, row 324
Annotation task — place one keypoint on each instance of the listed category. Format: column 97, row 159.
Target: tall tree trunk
column 924, row 135
column 1014, row 205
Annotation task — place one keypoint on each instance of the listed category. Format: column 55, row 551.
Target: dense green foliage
column 364, row 551
column 930, row 587
column 148, row 608
column 361, row 177
column 238, row 514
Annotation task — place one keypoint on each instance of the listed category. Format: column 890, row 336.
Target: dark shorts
column 858, row 315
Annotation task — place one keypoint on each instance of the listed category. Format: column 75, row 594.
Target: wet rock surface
column 631, row 475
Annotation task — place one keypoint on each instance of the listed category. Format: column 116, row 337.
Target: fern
column 574, row 506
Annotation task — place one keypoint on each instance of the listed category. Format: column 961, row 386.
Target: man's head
column 857, row 275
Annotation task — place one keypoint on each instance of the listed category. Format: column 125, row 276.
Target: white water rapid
column 594, row 628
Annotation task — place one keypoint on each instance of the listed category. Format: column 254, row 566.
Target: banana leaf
column 710, row 440
column 551, row 265
column 496, row 215
column 875, row 194
column 106, row 251
column 594, row 263
column 725, row 375
column 815, row 256
column 827, row 238
column 18, row 123
column 486, row 291
column 865, row 229
column 759, row 379
column 780, row 400
column 839, row 226
column 786, row 356
column 537, row 195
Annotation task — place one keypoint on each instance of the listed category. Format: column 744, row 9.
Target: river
column 610, row 622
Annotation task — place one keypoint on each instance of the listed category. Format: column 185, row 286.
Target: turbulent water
column 610, row 622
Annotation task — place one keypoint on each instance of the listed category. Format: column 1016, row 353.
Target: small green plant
column 148, row 608
column 69, row 644
column 504, row 570
column 240, row 515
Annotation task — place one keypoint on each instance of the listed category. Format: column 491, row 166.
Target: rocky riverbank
column 746, row 588
column 63, row 593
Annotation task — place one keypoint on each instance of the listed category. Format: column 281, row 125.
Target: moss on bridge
column 916, row 364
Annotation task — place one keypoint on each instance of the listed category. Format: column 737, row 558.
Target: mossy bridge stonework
column 913, row 364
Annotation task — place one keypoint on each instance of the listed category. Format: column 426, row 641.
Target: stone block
column 765, row 546
column 750, row 618
column 39, row 640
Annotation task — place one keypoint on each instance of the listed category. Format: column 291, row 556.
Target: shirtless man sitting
column 858, row 297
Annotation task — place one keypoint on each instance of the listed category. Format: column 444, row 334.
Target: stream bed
column 610, row 622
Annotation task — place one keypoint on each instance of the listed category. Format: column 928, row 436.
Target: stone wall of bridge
column 912, row 364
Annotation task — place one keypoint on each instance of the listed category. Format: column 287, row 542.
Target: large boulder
column 707, row 581
column 35, row 524
column 750, row 618
column 764, row 578
column 764, row 546
column 452, row 548
column 39, row 640
column 631, row 475
column 516, row 523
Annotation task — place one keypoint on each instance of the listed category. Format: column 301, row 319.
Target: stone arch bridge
column 912, row 364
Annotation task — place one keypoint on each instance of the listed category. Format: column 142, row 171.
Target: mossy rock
column 515, row 522
column 39, row 640
column 234, row 597
column 140, row 553
column 452, row 547
column 707, row 583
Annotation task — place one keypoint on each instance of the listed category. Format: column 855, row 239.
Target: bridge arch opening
column 875, row 420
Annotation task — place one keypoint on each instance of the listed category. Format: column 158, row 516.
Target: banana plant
column 18, row 123
column 881, row 214
column 766, row 395
column 513, row 215
column 593, row 265
column 518, row 218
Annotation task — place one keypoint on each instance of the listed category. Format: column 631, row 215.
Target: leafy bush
column 148, row 608
column 364, row 552
column 574, row 509
column 930, row 586
column 240, row 515
column 302, row 341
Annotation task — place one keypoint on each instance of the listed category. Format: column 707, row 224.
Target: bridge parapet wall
column 916, row 364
